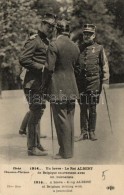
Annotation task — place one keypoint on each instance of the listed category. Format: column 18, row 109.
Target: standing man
column 62, row 58
column 94, row 72
column 33, row 58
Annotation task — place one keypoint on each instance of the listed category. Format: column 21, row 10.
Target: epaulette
column 33, row 36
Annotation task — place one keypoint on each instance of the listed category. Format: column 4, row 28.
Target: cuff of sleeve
column 38, row 66
column 106, row 81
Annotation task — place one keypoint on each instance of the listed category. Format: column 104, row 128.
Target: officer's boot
column 32, row 138
column 83, row 123
column 24, row 124
column 92, row 124
column 40, row 132
column 41, row 135
column 39, row 146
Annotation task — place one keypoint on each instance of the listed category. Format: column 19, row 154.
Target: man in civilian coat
column 62, row 56
column 33, row 58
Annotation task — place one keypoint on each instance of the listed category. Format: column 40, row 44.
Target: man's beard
column 88, row 42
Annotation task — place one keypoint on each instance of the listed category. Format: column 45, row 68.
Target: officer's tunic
column 33, row 58
column 93, row 70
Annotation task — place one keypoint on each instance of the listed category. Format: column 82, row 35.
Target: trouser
column 36, row 106
column 24, row 123
column 88, row 117
column 63, row 114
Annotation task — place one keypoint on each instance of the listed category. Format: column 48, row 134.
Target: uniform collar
column 88, row 44
column 43, row 36
column 62, row 35
column 59, row 36
column 85, row 46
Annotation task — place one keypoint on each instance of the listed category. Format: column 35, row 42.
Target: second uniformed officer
column 93, row 72
column 33, row 58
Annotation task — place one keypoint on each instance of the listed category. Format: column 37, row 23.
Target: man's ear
column 94, row 35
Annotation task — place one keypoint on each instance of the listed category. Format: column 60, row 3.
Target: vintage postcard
column 64, row 50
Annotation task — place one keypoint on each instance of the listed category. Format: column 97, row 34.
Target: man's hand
column 33, row 36
column 38, row 66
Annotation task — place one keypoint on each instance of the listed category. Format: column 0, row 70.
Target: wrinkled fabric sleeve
column 49, row 66
column 77, row 67
column 27, row 53
column 104, row 66
column 26, row 57
column 51, row 56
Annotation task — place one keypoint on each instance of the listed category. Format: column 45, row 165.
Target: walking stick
column 51, row 119
column 107, row 109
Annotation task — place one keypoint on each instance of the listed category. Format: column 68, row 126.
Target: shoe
column 40, row 147
column 58, row 156
column 83, row 136
column 43, row 136
column 92, row 136
column 36, row 152
column 22, row 132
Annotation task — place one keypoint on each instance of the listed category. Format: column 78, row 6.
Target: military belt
column 89, row 74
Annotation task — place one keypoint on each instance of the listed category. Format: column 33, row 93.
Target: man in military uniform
column 62, row 57
column 33, row 58
column 94, row 72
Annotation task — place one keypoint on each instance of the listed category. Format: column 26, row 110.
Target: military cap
column 89, row 28
column 49, row 18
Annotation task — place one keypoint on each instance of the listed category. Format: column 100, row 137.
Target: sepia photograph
column 61, row 97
